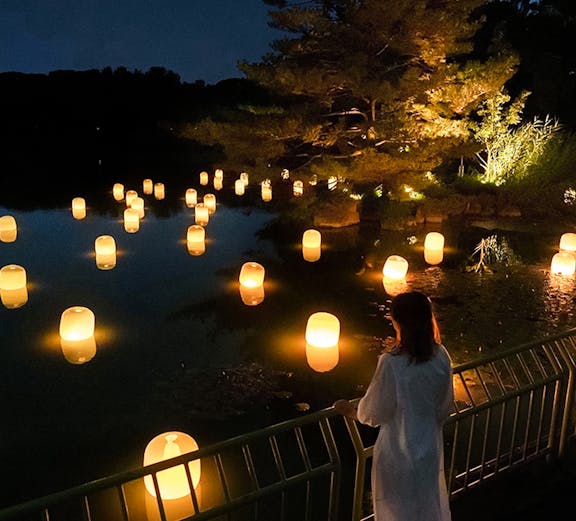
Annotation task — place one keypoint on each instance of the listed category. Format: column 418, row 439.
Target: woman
column 409, row 398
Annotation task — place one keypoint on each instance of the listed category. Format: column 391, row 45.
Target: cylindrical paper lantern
column 78, row 208
column 147, row 186
column 118, row 191
column 218, row 173
column 252, row 274
column 172, row 482
column 568, row 242
column 201, row 214
column 322, row 330
column 195, row 240
column 159, row 191
column 298, row 188
column 191, row 197
column 105, row 248
column 131, row 220
column 311, row 245
column 12, row 276
column 77, row 323
column 239, row 187
column 203, row 178
column 130, row 196
column 245, row 178
column 563, row 263
column 14, row 298
column 218, row 183
column 138, row 205
column 8, row 228
column 210, row 202
column 434, row 248
column 395, row 267
column 266, row 191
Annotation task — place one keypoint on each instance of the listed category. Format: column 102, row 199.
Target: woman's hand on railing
column 345, row 408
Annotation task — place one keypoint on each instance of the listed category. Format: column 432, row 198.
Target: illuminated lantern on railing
column 434, row 248
column 159, row 191
column 210, row 203
column 322, row 337
column 239, row 187
column 195, row 240
column 201, row 214
column 147, row 186
column 191, row 197
column 311, row 245
column 252, row 283
column 245, row 178
column 563, row 263
column 138, row 205
column 130, row 196
column 78, row 208
column 131, row 220
column 105, row 248
column 172, row 482
column 8, row 228
column 13, row 291
column 266, row 190
column 77, row 323
column 298, row 188
column 118, row 191
column 568, row 242
column 203, row 178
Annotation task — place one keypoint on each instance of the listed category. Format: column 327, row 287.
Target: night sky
column 197, row 39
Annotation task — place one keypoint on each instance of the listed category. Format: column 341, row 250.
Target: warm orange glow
column 159, row 191
column 266, row 191
column 191, row 197
column 78, row 208
column 298, row 188
column 201, row 214
column 434, row 248
column 147, row 186
column 322, row 359
column 311, row 245
column 395, row 267
column 245, row 178
column 218, row 173
column 210, row 202
column 130, row 196
column 8, row 228
column 252, row 296
column 568, row 242
column 203, row 178
column 252, row 275
column 563, row 263
column 172, row 482
column 13, row 290
column 105, row 249
column 78, row 352
column 195, row 240
column 77, row 323
column 131, row 220
column 118, row 191
column 322, row 330
column 239, row 187
column 218, row 183
column 138, row 205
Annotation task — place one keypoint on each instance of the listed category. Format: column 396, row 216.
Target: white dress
column 409, row 403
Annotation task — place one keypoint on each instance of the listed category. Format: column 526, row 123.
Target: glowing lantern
column 105, row 248
column 239, row 187
column 201, row 214
column 313, row 180
column 252, row 274
column 563, row 263
column 147, row 186
column 568, row 242
column 118, row 191
column 203, row 178
column 210, row 202
column 298, row 188
column 311, row 245
column 172, row 482
column 434, row 248
column 131, row 220
column 78, row 208
column 8, row 228
column 130, row 196
column 195, row 240
column 159, row 191
column 218, row 183
column 252, row 296
column 13, row 291
column 219, row 173
column 245, row 178
column 322, row 359
column 78, row 351
column 266, row 190
column 332, row 183
column 138, row 205
column 322, row 330
column 395, row 267
column 77, row 323
column 191, row 197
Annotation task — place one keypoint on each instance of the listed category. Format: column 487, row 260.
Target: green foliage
column 493, row 250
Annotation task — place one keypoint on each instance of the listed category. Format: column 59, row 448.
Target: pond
column 177, row 348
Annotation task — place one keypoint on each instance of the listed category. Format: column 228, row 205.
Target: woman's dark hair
column 417, row 331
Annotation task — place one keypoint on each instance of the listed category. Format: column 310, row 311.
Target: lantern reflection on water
column 13, row 290
column 322, row 336
column 244, row 177
column 8, row 228
column 172, row 482
column 105, row 249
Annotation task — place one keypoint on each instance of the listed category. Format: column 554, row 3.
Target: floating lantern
column 252, row 283
column 78, row 208
column 147, row 186
column 218, row 173
column 138, row 205
column 239, row 187
column 311, row 245
column 195, row 240
column 191, row 197
column 332, row 183
column 8, row 228
column 218, row 183
column 395, row 267
column 105, row 248
column 266, row 190
column 77, row 323
column 201, row 214
column 210, row 202
column 434, row 248
column 563, row 263
column 244, row 178
column 203, row 178
column 568, row 242
column 118, row 191
column 13, row 291
column 172, row 482
column 131, row 220
column 322, row 330
column 130, row 196
column 159, row 191
column 313, row 180
column 78, row 351
column 298, row 188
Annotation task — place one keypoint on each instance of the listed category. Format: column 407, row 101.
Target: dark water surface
column 178, row 350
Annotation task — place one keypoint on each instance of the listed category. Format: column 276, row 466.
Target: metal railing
column 510, row 409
